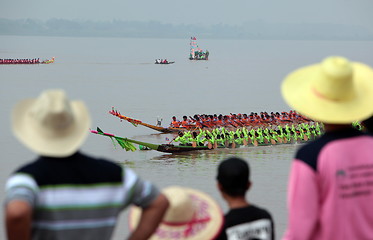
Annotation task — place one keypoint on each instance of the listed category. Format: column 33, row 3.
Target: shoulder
column 247, row 214
column 309, row 153
column 251, row 213
column 75, row 160
column 76, row 169
column 260, row 211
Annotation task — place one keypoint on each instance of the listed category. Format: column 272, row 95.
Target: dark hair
column 368, row 124
column 233, row 175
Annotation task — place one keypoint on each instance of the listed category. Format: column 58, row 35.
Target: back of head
column 233, row 175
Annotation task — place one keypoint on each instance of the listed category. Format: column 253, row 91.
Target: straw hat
column 192, row 215
column 51, row 125
column 333, row 91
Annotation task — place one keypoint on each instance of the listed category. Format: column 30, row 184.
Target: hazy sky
column 350, row 12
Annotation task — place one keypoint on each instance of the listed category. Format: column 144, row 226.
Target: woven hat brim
column 298, row 93
column 210, row 230
column 60, row 145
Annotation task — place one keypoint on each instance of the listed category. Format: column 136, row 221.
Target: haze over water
column 242, row 76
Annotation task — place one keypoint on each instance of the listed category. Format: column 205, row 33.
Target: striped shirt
column 77, row 197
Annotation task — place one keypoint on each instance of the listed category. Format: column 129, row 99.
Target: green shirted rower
column 220, row 140
column 183, row 139
column 260, row 137
column 287, row 133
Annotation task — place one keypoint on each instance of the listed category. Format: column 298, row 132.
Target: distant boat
column 161, row 61
column 25, row 61
column 197, row 53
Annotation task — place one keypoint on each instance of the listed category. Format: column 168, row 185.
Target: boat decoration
column 196, row 53
column 26, row 61
column 136, row 122
column 163, row 61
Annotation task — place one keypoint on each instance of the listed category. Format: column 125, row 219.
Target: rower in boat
column 175, row 123
column 182, row 138
column 185, row 122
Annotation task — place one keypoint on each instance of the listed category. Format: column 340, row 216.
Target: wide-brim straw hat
column 192, row 215
column 51, row 125
column 334, row 91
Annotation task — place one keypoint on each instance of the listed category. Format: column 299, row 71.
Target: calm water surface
column 240, row 77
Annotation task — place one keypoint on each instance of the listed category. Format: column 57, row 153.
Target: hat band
column 320, row 95
column 189, row 224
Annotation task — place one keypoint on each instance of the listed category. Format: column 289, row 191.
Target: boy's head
column 233, row 176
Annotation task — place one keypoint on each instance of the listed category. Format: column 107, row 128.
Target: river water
column 241, row 76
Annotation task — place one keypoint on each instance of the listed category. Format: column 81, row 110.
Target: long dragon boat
column 9, row 61
column 126, row 143
column 196, row 127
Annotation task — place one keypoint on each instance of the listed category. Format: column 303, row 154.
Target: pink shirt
column 330, row 192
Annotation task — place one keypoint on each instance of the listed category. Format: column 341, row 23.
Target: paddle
column 173, row 139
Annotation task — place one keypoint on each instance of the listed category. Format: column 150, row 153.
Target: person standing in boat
column 159, row 121
column 330, row 193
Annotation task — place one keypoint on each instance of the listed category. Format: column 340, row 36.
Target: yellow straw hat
column 192, row 215
column 51, row 125
column 334, row 91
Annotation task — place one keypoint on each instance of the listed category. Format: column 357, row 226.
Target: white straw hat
column 192, row 215
column 333, row 91
column 51, row 125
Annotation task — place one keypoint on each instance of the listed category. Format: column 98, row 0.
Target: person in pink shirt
column 330, row 188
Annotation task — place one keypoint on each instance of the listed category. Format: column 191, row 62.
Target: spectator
column 330, row 193
column 65, row 194
column 192, row 215
column 244, row 220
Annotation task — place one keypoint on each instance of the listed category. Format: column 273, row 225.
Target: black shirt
column 247, row 223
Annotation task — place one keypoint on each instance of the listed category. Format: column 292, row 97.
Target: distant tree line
column 154, row 29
